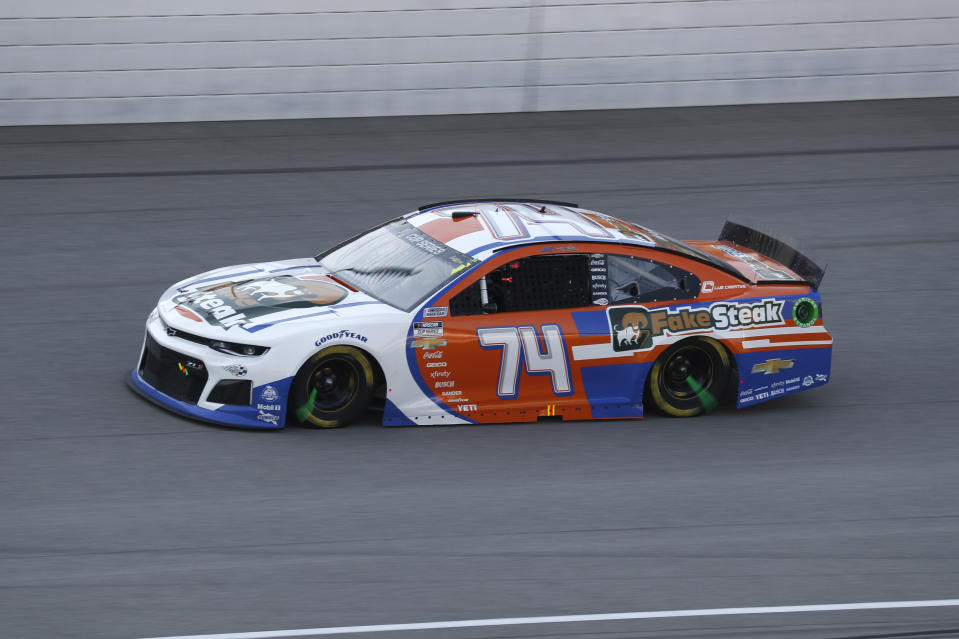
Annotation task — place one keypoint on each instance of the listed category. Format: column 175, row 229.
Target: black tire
column 332, row 389
column 689, row 377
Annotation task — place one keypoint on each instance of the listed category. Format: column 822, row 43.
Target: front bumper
column 164, row 358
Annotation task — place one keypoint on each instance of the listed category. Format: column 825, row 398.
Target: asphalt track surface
column 119, row 520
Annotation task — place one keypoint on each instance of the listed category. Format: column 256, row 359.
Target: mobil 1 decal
column 636, row 328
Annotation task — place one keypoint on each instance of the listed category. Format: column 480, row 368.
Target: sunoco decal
column 635, row 327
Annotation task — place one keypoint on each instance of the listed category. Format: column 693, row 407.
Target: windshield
column 396, row 263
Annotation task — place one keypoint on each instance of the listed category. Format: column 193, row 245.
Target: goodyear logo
column 636, row 327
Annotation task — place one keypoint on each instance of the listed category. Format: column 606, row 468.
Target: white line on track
column 615, row 616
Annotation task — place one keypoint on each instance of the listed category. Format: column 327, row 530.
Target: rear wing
column 775, row 250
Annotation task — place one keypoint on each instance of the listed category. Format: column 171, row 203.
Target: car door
column 505, row 355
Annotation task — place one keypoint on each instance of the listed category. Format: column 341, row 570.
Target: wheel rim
column 332, row 384
column 686, row 373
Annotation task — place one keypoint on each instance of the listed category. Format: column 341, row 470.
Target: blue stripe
column 293, row 268
column 299, row 317
column 222, row 277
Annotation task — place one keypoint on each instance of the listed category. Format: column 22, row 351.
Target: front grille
column 180, row 376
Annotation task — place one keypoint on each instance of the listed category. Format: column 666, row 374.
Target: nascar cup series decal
column 634, row 328
column 237, row 303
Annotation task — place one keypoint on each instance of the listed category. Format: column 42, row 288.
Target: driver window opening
column 634, row 279
column 529, row 284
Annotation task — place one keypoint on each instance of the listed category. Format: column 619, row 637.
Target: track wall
column 65, row 62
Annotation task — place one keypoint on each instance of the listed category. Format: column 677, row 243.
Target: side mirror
column 489, row 307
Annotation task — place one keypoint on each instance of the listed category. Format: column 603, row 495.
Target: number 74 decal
column 521, row 344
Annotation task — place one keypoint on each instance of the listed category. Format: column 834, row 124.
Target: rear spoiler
column 775, row 250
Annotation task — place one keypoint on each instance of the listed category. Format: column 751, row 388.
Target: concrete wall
column 64, row 61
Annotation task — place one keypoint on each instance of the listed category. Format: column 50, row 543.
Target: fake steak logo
column 635, row 327
column 237, row 303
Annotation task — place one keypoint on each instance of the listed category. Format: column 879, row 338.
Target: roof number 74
column 520, row 344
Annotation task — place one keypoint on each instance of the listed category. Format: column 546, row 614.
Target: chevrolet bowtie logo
column 772, row 366
column 428, row 343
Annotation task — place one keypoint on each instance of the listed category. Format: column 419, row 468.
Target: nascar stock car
column 486, row 311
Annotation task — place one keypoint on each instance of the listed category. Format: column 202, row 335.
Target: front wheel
column 333, row 388
column 689, row 377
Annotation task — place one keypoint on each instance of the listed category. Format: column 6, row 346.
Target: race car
column 491, row 310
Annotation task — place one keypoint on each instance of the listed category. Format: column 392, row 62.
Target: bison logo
column 630, row 329
column 282, row 292
column 269, row 289
column 634, row 327
column 237, row 303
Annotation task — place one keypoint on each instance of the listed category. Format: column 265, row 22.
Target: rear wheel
column 689, row 377
column 333, row 388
